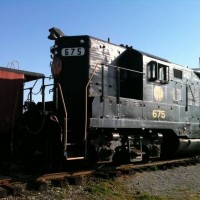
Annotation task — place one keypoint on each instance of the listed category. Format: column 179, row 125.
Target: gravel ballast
column 177, row 183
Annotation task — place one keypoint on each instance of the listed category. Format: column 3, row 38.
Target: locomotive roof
column 123, row 46
column 141, row 52
column 29, row 76
column 152, row 56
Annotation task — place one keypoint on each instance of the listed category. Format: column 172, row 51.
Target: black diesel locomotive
column 111, row 103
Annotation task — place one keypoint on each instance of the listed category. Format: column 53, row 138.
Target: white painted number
column 158, row 114
column 75, row 51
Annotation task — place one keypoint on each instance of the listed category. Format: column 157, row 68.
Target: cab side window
column 163, row 73
column 152, row 71
column 158, row 72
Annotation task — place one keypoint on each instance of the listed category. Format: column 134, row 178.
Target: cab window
column 158, row 72
column 152, row 71
column 163, row 73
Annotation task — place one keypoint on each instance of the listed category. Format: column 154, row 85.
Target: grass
column 113, row 189
column 146, row 196
column 107, row 189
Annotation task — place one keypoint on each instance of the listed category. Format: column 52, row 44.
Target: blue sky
column 165, row 28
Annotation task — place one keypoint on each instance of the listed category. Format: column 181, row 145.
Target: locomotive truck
column 111, row 103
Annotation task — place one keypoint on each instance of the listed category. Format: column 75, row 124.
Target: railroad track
column 7, row 186
column 161, row 164
column 41, row 182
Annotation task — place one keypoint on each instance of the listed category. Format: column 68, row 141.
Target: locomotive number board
column 74, row 51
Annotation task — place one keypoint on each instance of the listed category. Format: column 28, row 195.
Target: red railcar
column 11, row 104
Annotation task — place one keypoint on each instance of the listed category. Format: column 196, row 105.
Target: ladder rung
column 75, row 158
column 72, row 144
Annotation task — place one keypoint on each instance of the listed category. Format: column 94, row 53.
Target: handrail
column 192, row 93
column 65, row 119
column 86, row 88
column 115, row 66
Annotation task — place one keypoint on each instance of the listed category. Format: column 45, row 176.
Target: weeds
column 115, row 190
